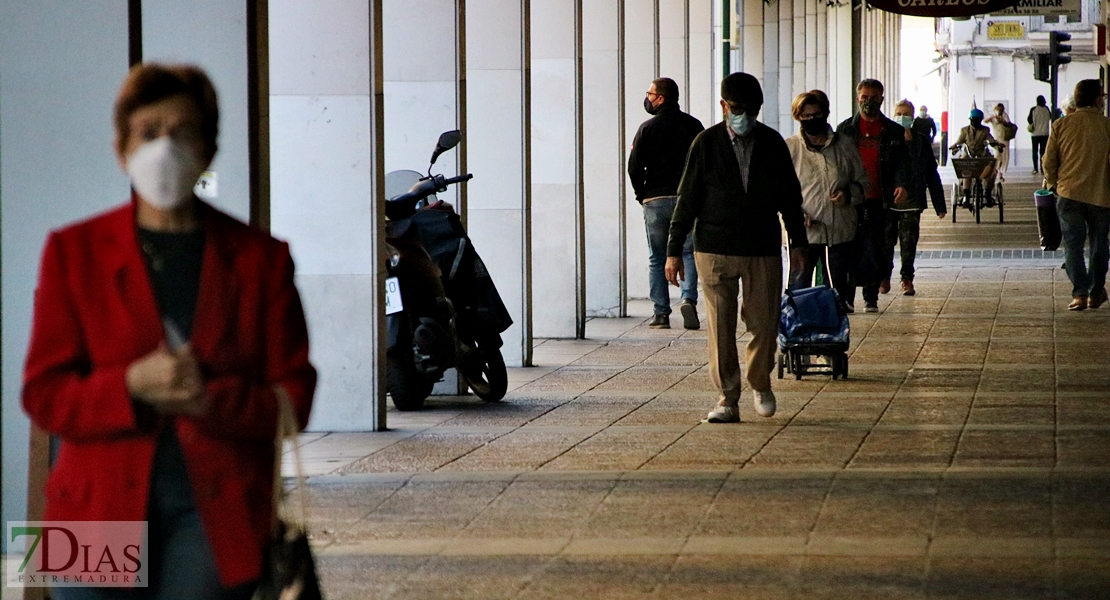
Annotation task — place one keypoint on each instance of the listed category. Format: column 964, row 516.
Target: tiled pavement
column 966, row 456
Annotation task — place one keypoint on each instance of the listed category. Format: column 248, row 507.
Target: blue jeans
column 1081, row 222
column 657, row 220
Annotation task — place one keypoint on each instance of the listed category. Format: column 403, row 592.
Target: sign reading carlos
column 943, row 8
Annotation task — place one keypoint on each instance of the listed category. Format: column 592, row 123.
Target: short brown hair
column 1087, row 92
column 149, row 83
column 874, row 84
column 667, row 88
column 816, row 97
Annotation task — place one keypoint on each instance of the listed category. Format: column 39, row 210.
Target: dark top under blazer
column 659, row 152
column 894, row 164
column 726, row 218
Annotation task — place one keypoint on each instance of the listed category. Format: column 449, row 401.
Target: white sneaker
column 764, row 403
column 724, row 414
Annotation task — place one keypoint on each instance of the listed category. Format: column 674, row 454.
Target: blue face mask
column 740, row 124
column 905, row 121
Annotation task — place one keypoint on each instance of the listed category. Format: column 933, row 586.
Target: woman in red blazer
column 163, row 331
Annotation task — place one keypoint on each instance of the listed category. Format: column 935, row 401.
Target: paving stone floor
column 966, row 456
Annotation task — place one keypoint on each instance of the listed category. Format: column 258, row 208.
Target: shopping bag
column 289, row 570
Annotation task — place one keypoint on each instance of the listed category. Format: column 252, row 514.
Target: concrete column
column 787, row 91
column 752, row 40
column 61, row 64
column 673, row 46
column 701, row 98
column 419, row 70
column 554, row 173
column 603, row 149
column 841, row 87
column 639, row 70
column 327, row 156
column 213, row 35
column 822, row 46
column 499, row 154
column 770, row 113
column 800, row 30
column 811, row 44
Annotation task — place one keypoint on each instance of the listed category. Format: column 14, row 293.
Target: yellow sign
column 1005, row 30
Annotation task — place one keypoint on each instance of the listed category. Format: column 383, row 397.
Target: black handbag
column 289, row 567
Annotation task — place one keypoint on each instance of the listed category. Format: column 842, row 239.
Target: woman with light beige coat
column 834, row 182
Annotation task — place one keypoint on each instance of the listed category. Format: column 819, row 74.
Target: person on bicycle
column 974, row 140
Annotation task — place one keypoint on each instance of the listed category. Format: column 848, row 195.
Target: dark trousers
column 903, row 227
column 873, row 218
column 1040, row 142
column 836, row 269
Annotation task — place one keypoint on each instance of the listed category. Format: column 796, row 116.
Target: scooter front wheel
column 407, row 387
column 485, row 373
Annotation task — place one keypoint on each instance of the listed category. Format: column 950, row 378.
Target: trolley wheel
column 978, row 207
column 843, row 365
column 955, row 207
column 797, row 364
column 782, row 365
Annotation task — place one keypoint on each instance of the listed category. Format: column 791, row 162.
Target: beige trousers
column 721, row 277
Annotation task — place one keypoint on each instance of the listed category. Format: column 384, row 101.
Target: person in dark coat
column 882, row 146
column 904, row 222
column 655, row 168
column 739, row 179
column 925, row 125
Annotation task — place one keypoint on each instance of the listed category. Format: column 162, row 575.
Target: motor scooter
column 442, row 307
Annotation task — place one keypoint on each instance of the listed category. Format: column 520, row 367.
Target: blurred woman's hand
column 168, row 381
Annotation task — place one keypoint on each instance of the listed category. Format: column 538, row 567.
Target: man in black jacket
column 882, row 146
column 739, row 178
column 655, row 167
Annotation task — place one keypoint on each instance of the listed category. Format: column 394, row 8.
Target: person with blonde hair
column 834, row 183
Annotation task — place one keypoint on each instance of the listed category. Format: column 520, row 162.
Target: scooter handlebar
column 459, row 179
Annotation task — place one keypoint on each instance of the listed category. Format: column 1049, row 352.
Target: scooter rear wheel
column 407, row 387
column 485, row 373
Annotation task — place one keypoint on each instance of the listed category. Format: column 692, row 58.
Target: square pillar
column 499, row 154
column 327, row 157
column 639, row 70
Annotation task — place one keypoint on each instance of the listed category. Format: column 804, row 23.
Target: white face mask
column 163, row 172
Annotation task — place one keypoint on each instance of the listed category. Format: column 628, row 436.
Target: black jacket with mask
column 659, row 151
column 727, row 218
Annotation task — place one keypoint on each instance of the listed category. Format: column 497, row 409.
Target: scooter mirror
column 448, row 140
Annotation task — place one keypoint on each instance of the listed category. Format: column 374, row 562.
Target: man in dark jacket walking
column 655, row 167
column 882, row 146
column 904, row 222
column 739, row 178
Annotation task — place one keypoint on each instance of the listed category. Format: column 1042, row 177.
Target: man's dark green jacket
column 726, row 218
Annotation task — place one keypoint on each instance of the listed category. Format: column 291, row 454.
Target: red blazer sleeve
column 246, row 407
column 62, row 393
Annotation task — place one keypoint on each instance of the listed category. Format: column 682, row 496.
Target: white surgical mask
column 164, row 172
column 741, row 124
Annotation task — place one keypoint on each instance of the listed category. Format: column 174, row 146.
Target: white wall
column 554, row 193
column 61, row 64
column 499, row 198
column 321, row 193
column 602, row 150
column 213, row 35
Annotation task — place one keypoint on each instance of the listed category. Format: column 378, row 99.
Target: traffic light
column 1058, row 51
column 1042, row 68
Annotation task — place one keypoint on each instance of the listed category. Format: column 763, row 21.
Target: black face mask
column 816, row 125
column 651, row 110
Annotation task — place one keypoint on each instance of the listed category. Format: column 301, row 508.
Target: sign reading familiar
column 1047, row 8
column 1005, row 30
column 944, row 8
